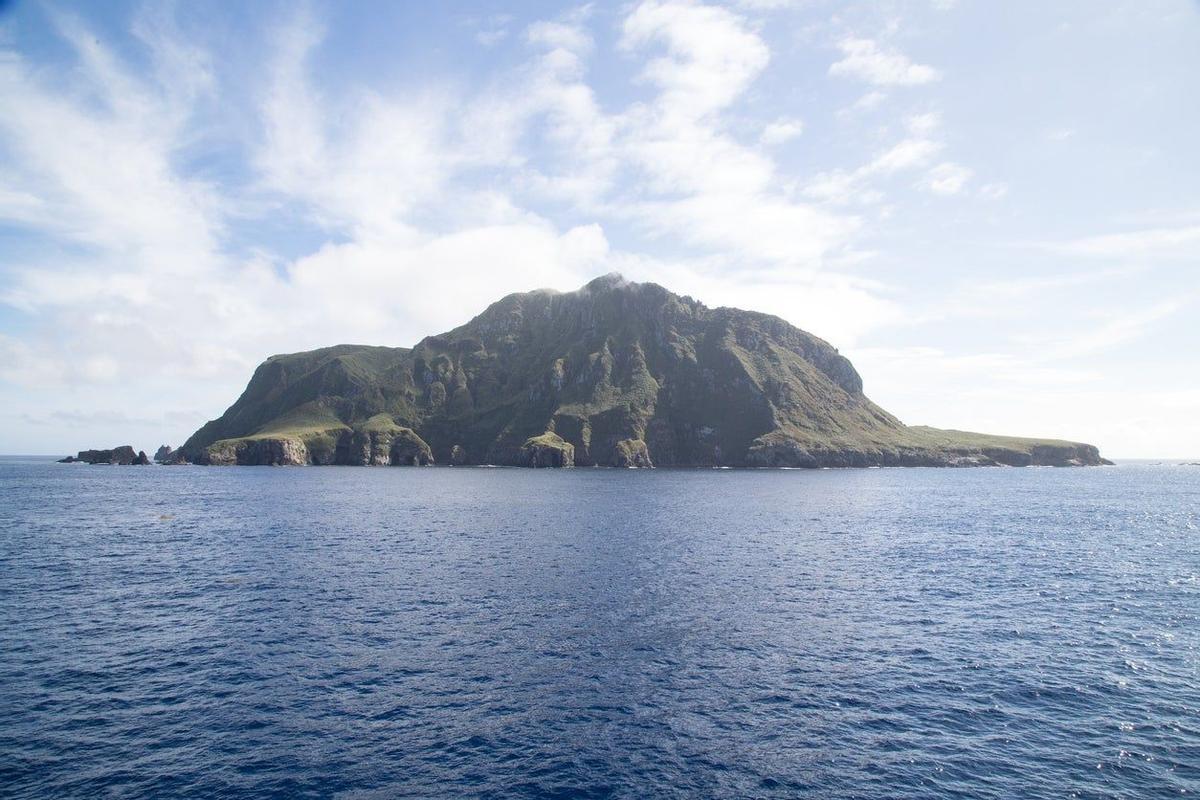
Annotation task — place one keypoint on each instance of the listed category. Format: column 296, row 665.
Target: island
column 616, row 374
column 123, row 455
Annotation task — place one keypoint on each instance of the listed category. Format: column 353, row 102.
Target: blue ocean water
column 387, row 632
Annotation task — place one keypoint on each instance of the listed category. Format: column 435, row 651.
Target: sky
column 993, row 209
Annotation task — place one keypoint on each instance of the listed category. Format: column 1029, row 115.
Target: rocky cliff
column 615, row 374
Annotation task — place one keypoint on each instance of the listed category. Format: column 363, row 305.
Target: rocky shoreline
column 551, row 451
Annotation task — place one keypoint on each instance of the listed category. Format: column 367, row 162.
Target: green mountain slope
column 614, row 374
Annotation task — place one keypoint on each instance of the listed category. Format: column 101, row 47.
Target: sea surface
column 458, row 632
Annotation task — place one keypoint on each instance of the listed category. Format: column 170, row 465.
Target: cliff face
column 614, row 374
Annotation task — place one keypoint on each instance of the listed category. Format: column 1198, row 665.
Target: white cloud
column 704, row 188
column 904, row 155
column 946, row 178
column 711, row 57
column 96, row 167
column 758, row 228
column 916, row 150
column 1009, row 297
column 1115, row 331
column 817, row 303
column 490, row 38
column 563, row 36
column 868, row 102
column 1181, row 241
column 361, row 175
column 922, row 125
column 490, row 30
column 767, row 5
column 780, row 131
column 866, row 60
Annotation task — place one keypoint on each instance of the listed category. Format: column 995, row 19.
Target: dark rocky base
column 397, row 447
column 406, row 448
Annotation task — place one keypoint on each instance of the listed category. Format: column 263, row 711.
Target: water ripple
column 261, row 632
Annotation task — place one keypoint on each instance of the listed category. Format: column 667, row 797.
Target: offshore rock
column 123, row 455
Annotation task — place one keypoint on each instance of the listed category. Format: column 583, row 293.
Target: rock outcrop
column 408, row 449
column 631, row 453
column 377, row 442
column 615, row 374
column 269, row 451
column 124, row 455
column 547, row 450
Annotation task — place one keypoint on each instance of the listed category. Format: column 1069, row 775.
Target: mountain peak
column 608, row 282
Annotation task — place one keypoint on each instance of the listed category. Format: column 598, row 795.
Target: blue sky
column 992, row 208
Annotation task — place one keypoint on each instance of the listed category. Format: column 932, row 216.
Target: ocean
column 470, row 632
